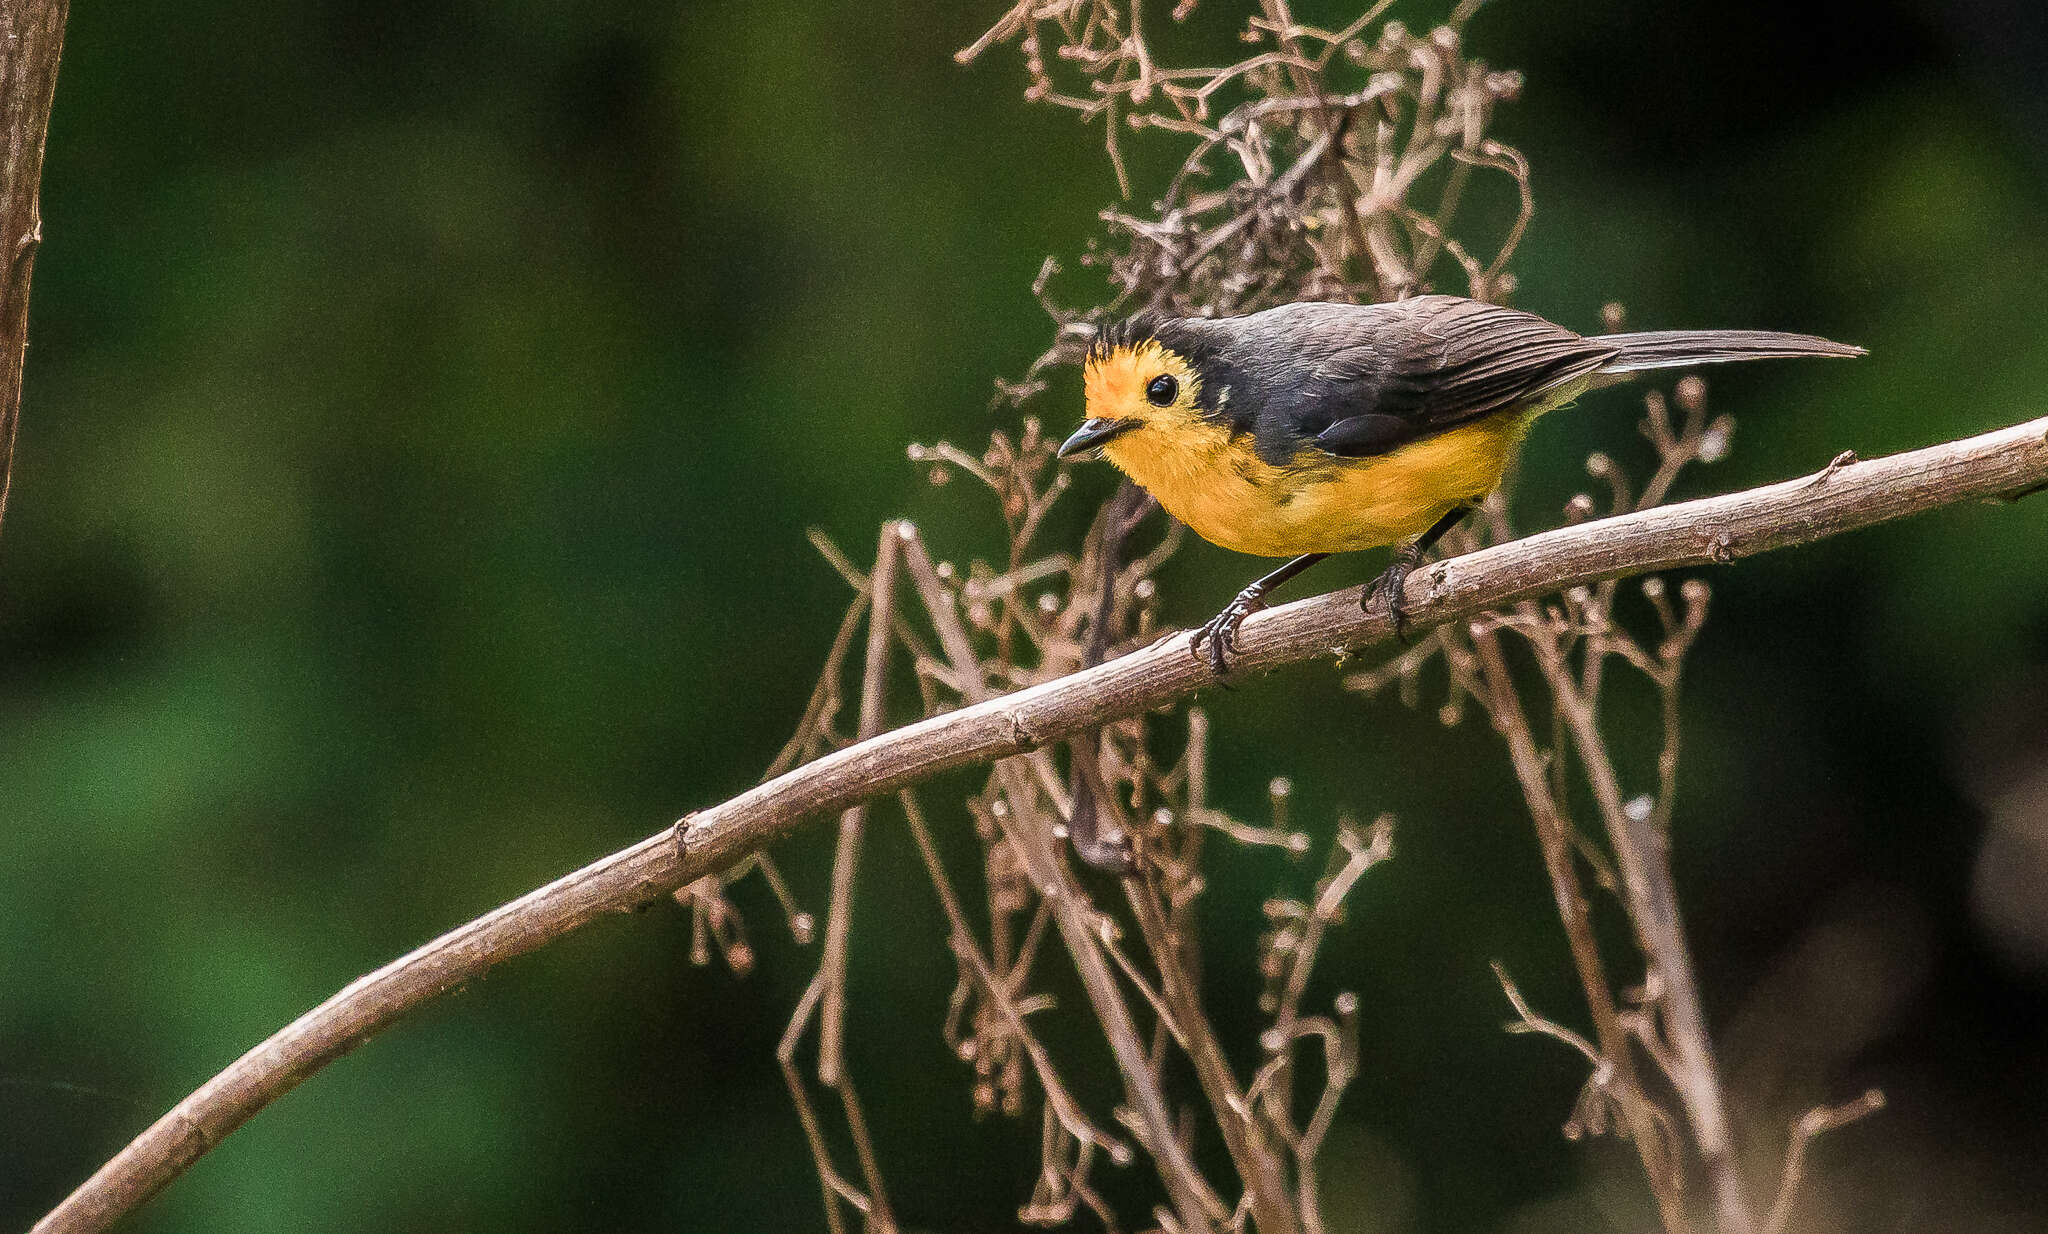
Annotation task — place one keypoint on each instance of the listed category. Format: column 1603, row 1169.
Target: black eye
column 1162, row 391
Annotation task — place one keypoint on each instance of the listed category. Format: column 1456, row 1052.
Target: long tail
column 1680, row 348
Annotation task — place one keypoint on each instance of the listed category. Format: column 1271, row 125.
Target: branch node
column 1021, row 735
column 1844, row 459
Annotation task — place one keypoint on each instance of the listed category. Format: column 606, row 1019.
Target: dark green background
column 425, row 406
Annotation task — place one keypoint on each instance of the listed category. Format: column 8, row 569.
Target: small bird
column 1313, row 428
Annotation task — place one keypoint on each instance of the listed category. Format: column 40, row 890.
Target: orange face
column 1142, row 409
column 1144, row 412
column 1146, row 383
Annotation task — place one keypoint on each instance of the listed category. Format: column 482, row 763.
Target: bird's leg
column 1406, row 558
column 1221, row 631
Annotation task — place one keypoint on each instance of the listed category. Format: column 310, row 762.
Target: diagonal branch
column 2002, row 464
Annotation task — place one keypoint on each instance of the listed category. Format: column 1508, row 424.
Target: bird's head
column 1145, row 392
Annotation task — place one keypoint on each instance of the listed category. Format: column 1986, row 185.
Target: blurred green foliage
column 425, row 407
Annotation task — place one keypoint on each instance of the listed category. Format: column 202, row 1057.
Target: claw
column 1390, row 587
column 1390, row 583
column 1220, row 632
column 1212, row 635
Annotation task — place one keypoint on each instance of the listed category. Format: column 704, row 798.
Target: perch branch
column 2001, row 464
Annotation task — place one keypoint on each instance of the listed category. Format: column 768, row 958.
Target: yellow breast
column 1319, row 504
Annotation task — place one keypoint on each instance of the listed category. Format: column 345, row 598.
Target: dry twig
column 1813, row 1123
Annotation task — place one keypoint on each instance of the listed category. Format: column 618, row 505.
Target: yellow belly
column 1322, row 504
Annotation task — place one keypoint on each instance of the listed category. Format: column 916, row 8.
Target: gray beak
column 1093, row 433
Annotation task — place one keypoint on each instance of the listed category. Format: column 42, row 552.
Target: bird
column 1317, row 428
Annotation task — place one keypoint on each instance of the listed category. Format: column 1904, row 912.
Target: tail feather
column 1653, row 349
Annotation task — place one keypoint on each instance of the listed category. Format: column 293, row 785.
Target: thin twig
column 999, row 997
column 825, row 999
column 838, row 921
column 1527, row 1021
column 1639, row 1114
column 1641, row 854
column 1813, row 1123
column 1258, row 1166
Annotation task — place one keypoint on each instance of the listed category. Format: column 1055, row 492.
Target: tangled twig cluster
column 1309, row 159
column 1309, row 164
column 1325, row 165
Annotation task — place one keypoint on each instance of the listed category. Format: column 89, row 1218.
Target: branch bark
column 2003, row 464
column 31, row 39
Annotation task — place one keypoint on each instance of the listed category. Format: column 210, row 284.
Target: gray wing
column 1361, row 380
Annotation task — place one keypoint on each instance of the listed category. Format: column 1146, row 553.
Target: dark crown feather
column 1133, row 331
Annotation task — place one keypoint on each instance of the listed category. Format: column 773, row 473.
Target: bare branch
column 846, row 863
column 2005, row 463
column 1527, row 1021
column 1640, row 1116
column 1058, row 1103
column 31, row 40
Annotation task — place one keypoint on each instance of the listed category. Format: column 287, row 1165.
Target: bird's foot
column 1390, row 586
column 1220, row 633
